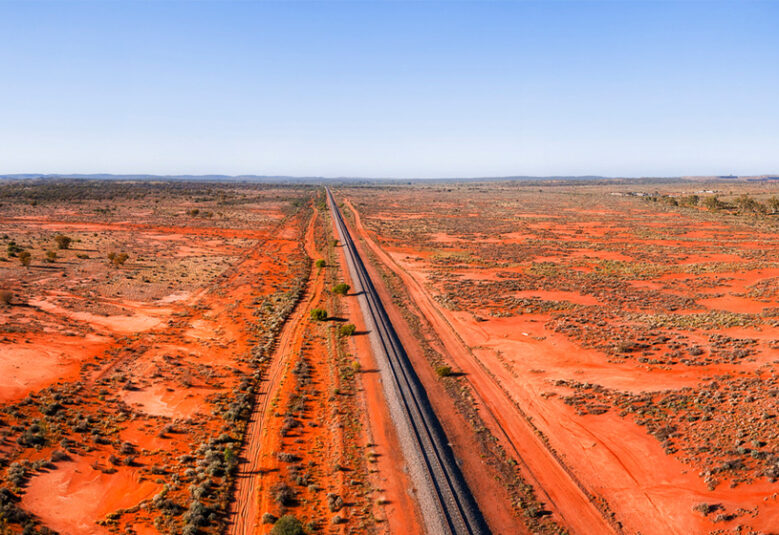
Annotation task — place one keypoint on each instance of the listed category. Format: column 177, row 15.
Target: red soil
column 492, row 499
column 70, row 498
column 151, row 371
column 513, row 363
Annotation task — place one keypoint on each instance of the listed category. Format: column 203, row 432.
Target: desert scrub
column 347, row 329
column 443, row 371
column 62, row 241
column 627, row 270
column 288, row 525
column 714, row 319
column 341, row 288
column 318, row 314
column 727, row 427
column 283, row 494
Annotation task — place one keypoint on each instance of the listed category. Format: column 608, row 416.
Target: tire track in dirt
column 244, row 510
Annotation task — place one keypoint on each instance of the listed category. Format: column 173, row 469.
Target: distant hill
column 319, row 179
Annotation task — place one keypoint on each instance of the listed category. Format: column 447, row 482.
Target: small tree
column 341, row 288
column 347, row 329
column 63, row 242
column 319, row 314
column 25, row 257
column 320, row 263
column 745, row 203
column 712, row 203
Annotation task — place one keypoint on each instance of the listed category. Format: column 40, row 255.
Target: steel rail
column 459, row 513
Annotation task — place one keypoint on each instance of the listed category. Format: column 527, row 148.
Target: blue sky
column 405, row 89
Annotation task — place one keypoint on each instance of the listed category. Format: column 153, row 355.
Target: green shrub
column 318, row 314
column 443, row 371
column 347, row 329
column 341, row 288
column 287, row 525
column 320, row 263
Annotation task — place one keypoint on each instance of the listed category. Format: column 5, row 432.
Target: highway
column 446, row 502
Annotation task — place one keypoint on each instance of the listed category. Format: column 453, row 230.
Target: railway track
column 447, row 504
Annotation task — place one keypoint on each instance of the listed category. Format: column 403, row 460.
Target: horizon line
column 147, row 175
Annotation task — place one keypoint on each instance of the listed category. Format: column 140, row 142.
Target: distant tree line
column 742, row 204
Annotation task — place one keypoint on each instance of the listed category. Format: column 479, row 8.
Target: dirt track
column 245, row 511
column 565, row 493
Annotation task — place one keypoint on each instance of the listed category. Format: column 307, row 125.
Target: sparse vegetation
column 117, row 259
column 347, row 329
column 288, row 525
column 25, row 258
column 443, row 371
column 318, row 314
column 63, row 242
column 341, row 288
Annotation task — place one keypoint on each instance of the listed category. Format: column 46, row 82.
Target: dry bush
column 63, row 242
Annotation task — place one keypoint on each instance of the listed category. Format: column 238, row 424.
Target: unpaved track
column 447, row 503
column 244, row 510
column 565, row 493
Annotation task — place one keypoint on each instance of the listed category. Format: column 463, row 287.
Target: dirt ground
column 160, row 371
column 620, row 341
column 612, row 352
column 123, row 383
